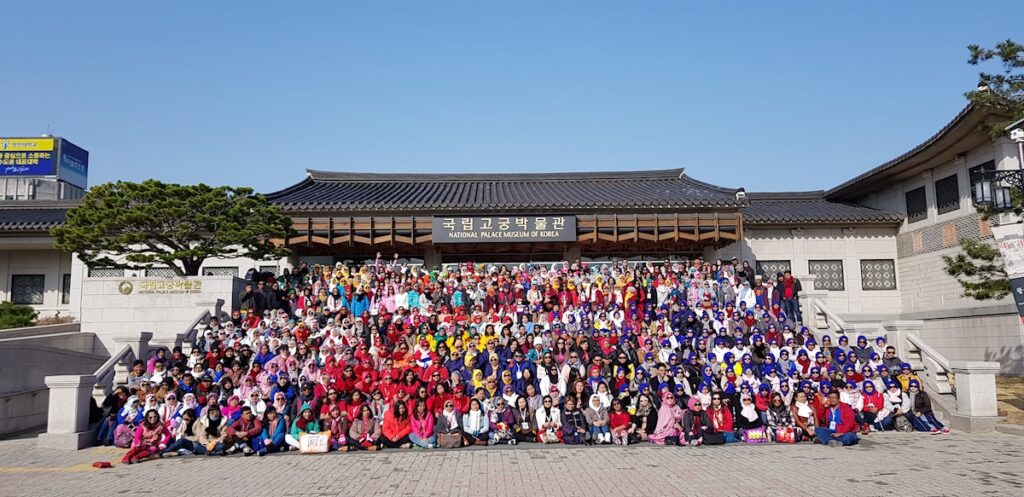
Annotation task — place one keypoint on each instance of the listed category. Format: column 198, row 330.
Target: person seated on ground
column 549, row 421
column 338, row 424
column 620, row 423
column 574, row 423
column 501, row 422
column 475, row 424
column 525, row 421
column 597, row 419
column 242, row 433
column 396, row 427
column 645, row 419
column 183, row 438
column 151, row 436
column 803, row 416
column 695, row 423
column 365, row 432
column 721, row 418
column 306, row 422
column 669, row 428
column 839, row 426
column 211, row 428
column 747, row 418
column 897, row 405
column 873, row 406
column 449, row 421
column 779, row 416
column 422, row 423
column 923, row 416
column 272, row 438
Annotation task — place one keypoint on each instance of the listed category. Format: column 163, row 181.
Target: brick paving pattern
column 884, row 464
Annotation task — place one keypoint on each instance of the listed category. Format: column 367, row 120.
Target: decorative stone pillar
column 975, row 387
column 168, row 342
column 68, row 413
column 140, row 349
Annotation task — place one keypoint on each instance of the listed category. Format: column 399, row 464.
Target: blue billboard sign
column 27, row 157
column 74, row 164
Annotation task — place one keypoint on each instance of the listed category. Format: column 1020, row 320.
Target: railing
column 832, row 320
column 188, row 341
column 936, row 370
column 106, row 374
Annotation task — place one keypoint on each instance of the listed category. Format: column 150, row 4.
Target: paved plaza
column 884, row 464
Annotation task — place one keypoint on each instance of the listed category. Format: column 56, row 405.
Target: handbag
column 314, row 443
column 123, row 436
column 785, row 435
column 714, row 438
column 755, row 436
column 449, row 440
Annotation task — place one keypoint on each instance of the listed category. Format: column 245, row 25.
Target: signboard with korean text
column 73, row 164
column 27, row 157
column 504, row 229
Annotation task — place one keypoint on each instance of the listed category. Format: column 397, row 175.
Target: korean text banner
column 505, row 229
column 26, row 157
column 74, row 164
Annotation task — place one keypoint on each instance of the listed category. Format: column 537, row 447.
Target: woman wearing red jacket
column 396, row 429
column 721, row 418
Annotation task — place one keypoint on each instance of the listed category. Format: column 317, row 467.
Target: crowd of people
column 388, row 356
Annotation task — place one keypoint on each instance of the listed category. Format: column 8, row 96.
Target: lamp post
column 993, row 188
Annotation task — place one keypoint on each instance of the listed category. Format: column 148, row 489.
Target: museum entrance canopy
column 508, row 216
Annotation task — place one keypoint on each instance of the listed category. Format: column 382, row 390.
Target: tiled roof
column 810, row 207
column 587, row 191
column 33, row 215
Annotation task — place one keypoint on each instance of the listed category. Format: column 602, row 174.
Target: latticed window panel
column 917, row 205
column 28, row 289
column 65, row 289
column 947, row 194
column 220, row 271
column 769, row 269
column 106, row 272
column 829, row 274
column 269, row 269
column 160, row 272
column 878, row 274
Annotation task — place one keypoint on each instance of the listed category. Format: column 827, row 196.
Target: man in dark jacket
column 790, row 293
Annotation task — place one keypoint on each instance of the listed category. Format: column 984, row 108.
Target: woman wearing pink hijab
column 669, row 426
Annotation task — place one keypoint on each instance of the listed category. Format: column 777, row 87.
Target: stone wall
column 109, row 307
column 801, row 245
column 990, row 334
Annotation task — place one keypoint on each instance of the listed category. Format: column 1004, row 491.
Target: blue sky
column 765, row 95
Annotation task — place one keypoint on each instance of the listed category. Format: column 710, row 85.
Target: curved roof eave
column 968, row 116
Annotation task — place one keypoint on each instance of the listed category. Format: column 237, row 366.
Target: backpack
column 901, row 423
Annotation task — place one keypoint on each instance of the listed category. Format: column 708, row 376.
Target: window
column 917, row 205
column 947, row 194
column 269, row 269
column 220, row 271
column 27, row 288
column 160, row 272
column 65, row 288
column 106, row 272
column 878, row 274
column 829, row 275
column 769, row 269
